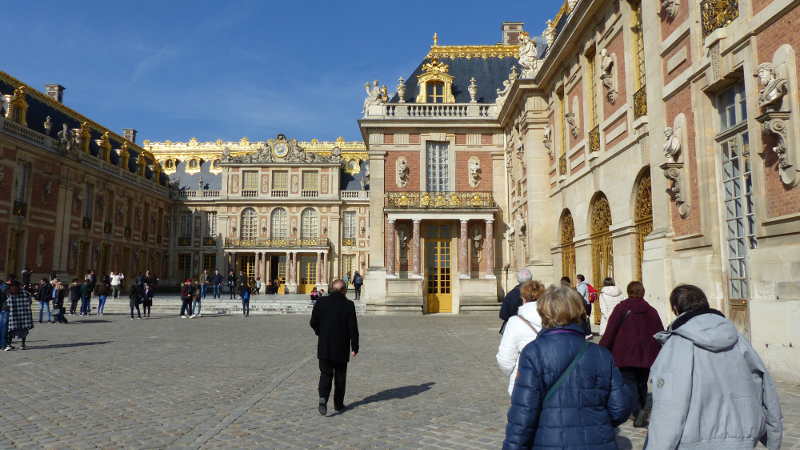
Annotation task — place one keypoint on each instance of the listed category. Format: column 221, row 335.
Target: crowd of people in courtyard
column 708, row 388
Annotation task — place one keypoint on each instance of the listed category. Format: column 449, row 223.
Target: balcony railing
column 20, row 209
column 594, row 139
column 348, row 242
column 562, row 165
column 276, row 243
column 209, row 241
column 355, row 195
column 194, row 194
column 280, row 193
column 250, row 193
column 640, row 103
column 718, row 14
column 184, row 241
column 439, row 200
column 309, row 194
column 435, row 111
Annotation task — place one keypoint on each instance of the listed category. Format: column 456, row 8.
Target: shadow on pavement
column 73, row 344
column 398, row 393
column 91, row 321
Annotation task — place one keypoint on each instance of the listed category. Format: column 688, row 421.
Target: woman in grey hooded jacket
column 710, row 388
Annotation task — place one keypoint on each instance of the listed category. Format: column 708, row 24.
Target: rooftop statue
column 528, row 56
column 376, row 95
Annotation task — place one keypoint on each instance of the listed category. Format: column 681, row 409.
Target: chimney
column 511, row 31
column 129, row 134
column 55, row 91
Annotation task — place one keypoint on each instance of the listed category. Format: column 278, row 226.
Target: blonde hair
column 560, row 306
column 531, row 290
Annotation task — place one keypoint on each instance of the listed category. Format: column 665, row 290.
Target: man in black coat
column 512, row 301
column 334, row 321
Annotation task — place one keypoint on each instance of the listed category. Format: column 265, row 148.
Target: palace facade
column 74, row 195
column 278, row 209
column 652, row 141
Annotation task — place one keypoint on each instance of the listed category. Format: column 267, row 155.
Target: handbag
column 566, row 372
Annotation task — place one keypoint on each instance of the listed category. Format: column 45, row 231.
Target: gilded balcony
column 717, row 14
column 348, row 242
column 209, row 241
column 277, row 243
column 435, row 200
column 594, row 139
column 640, row 103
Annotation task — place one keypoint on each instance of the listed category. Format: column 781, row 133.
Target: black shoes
column 323, row 407
column 339, row 408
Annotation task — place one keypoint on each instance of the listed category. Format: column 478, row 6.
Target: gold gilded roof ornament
column 435, row 39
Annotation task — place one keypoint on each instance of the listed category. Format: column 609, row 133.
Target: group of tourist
column 709, row 388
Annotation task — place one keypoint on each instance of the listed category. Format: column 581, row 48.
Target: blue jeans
column 196, row 307
column 42, row 307
column 86, row 304
column 102, row 304
column 217, row 290
column 203, row 290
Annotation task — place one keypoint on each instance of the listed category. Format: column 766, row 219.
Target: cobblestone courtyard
column 227, row 382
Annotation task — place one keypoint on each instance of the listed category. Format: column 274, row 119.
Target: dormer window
column 435, row 92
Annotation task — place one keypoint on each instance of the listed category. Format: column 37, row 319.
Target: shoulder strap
column 566, row 372
column 529, row 324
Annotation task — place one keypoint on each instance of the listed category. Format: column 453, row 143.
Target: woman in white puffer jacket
column 610, row 297
column 520, row 331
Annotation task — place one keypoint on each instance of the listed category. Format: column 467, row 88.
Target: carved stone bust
column 672, row 144
column 474, row 172
column 773, row 88
column 403, row 172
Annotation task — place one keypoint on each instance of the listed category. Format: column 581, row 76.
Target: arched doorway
column 602, row 244
column 567, row 227
column 643, row 217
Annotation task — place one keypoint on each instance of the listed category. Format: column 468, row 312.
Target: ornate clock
column 280, row 149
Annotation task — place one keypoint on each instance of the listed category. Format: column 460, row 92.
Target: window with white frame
column 249, row 224
column 279, row 225
column 349, row 224
column 309, row 224
column 88, row 210
column 737, row 189
column 21, row 182
column 211, row 223
column 437, row 167
column 186, row 226
column 250, row 181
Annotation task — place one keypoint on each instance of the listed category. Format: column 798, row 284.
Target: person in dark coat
column 232, row 284
column 334, row 322
column 59, row 292
column 43, row 296
column 86, row 297
column 568, row 394
column 630, row 338
column 512, row 301
column 74, row 295
column 136, row 295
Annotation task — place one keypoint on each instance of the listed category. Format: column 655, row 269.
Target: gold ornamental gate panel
column 602, row 246
column 438, row 267
column 643, row 217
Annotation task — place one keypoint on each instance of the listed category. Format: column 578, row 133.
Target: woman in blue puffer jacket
column 568, row 394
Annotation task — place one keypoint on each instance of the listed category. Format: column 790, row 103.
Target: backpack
column 593, row 294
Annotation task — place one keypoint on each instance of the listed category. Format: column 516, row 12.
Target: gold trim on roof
column 474, row 51
column 210, row 151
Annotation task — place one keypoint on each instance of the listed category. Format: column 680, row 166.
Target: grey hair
column 524, row 275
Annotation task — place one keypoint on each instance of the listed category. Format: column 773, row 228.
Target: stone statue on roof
column 376, row 95
column 528, row 56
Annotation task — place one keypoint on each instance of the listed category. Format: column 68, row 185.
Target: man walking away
column 512, row 301
column 245, row 293
column 135, row 299
column 186, row 299
column 586, row 290
column 44, row 295
column 203, row 284
column 232, row 284
column 216, row 283
column 74, row 295
column 20, row 317
column 58, row 302
column 358, row 281
column 334, row 322
column 86, row 297
column 147, row 299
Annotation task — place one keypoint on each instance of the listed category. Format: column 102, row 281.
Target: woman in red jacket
column 629, row 337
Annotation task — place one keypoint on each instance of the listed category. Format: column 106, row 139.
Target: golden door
column 308, row 274
column 438, row 275
column 248, row 266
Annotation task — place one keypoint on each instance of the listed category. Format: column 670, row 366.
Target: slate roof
column 40, row 106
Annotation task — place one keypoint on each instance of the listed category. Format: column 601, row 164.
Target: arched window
column 249, row 227
column 279, row 225
column 309, row 224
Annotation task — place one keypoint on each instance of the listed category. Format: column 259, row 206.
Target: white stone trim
column 439, row 215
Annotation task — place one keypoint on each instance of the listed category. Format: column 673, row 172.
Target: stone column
column 415, row 250
column 488, row 248
column 258, row 264
column 289, row 268
column 463, row 255
column 268, row 267
column 319, row 268
column 325, row 263
column 390, row 250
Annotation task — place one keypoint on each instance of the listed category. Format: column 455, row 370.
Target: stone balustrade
column 276, row 243
column 432, row 111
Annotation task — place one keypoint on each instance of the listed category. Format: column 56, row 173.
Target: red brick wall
column 462, row 171
column 780, row 200
column 682, row 103
column 32, row 253
column 413, row 138
column 486, row 139
column 758, row 5
column 412, row 157
column 3, row 246
column 41, row 178
column 683, row 43
column 461, row 139
column 616, row 47
column 388, row 138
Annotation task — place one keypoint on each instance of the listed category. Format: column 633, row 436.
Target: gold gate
column 308, row 273
column 602, row 246
column 438, row 267
column 567, row 246
column 643, row 216
column 248, row 266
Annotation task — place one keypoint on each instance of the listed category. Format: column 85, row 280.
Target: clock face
column 281, row 149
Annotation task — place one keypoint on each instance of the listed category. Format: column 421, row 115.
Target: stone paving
column 221, row 382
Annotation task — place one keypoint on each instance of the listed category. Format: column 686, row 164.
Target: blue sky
column 227, row 69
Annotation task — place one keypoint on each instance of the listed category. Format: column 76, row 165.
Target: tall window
column 280, row 183
column 437, row 168
column 279, row 227
column 590, row 73
column 249, row 226
column 88, row 209
column 186, row 226
column 250, row 183
column 435, row 92
column 638, row 38
column 21, row 182
column 210, row 261
column 309, row 224
column 185, row 265
column 349, row 224
column 310, row 184
column 737, row 188
column 211, row 223
column 562, row 106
